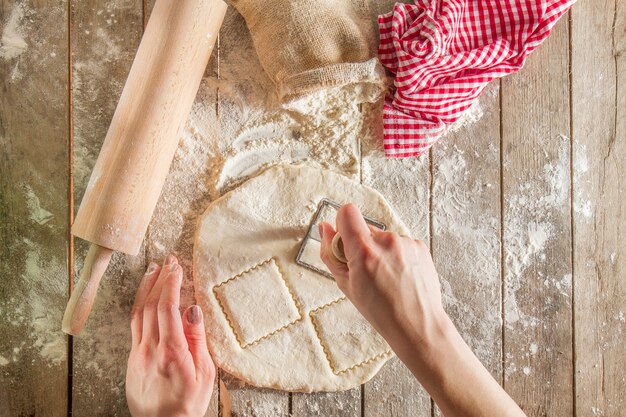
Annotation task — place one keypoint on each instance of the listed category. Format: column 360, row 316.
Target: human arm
column 392, row 281
column 170, row 371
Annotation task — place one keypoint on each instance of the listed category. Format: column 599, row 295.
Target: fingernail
column 174, row 269
column 194, row 314
column 170, row 259
column 151, row 268
column 321, row 230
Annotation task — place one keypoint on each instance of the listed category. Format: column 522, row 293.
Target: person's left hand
column 170, row 371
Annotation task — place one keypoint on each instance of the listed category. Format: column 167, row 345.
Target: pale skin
column 170, row 372
column 391, row 280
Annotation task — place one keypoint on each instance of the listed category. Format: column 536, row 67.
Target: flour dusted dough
column 269, row 321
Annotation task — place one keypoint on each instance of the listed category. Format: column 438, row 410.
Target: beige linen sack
column 308, row 45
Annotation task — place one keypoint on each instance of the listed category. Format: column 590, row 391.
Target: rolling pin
column 141, row 141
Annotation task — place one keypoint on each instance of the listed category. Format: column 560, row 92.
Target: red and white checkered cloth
column 444, row 52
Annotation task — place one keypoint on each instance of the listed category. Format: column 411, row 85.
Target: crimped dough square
column 347, row 343
column 257, row 303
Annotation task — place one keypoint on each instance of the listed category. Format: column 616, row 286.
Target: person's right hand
column 389, row 278
column 392, row 281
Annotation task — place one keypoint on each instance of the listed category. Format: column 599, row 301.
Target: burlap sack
column 307, row 45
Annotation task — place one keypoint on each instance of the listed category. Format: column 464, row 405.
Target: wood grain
column 466, row 228
column 340, row 404
column 145, row 130
column 245, row 400
column 599, row 155
column 394, row 391
column 34, row 217
column 538, row 307
column 183, row 187
column 537, row 231
column 105, row 37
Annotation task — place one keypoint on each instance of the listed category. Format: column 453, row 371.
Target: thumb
column 195, row 334
column 337, row 268
column 353, row 229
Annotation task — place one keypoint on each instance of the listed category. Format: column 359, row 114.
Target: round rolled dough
column 270, row 321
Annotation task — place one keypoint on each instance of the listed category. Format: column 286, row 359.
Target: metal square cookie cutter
column 309, row 254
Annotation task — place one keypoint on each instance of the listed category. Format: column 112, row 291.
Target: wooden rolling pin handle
column 84, row 294
column 337, row 248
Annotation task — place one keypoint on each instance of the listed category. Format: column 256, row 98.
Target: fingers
column 353, row 229
column 338, row 269
column 195, row 334
column 170, row 322
column 136, row 315
column 150, row 330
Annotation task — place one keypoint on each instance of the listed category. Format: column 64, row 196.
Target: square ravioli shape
column 257, row 303
column 347, row 338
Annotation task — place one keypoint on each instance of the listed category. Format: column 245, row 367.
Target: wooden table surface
column 542, row 307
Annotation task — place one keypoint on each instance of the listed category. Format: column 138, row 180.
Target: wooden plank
column 33, row 208
column 405, row 185
column 537, row 231
column 394, row 391
column 251, row 401
column 186, row 193
column 599, row 155
column 340, row 404
column 246, row 400
column 466, row 227
column 191, row 185
column 104, row 39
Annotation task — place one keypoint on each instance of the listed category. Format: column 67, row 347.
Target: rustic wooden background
column 552, row 333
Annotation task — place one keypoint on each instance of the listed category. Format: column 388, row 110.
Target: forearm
column 456, row 380
column 392, row 281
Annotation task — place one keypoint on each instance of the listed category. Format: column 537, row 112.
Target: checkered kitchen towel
column 444, row 52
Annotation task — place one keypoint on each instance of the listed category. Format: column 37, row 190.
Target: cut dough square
column 347, row 343
column 257, row 303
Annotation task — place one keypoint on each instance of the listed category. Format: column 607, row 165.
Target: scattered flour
column 249, row 131
column 95, row 68
column 255, row 131
column 471, row 242
column 582, row 204
column 44, row 317
column 37, row 213
column 538, row 199
column 36, row 290
column 12, row 43
column 404, row 182
column 45, row 292
column 532, row 225
column 102, row 53
column 469, row 118
column 222, row 145
column 107, row 333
